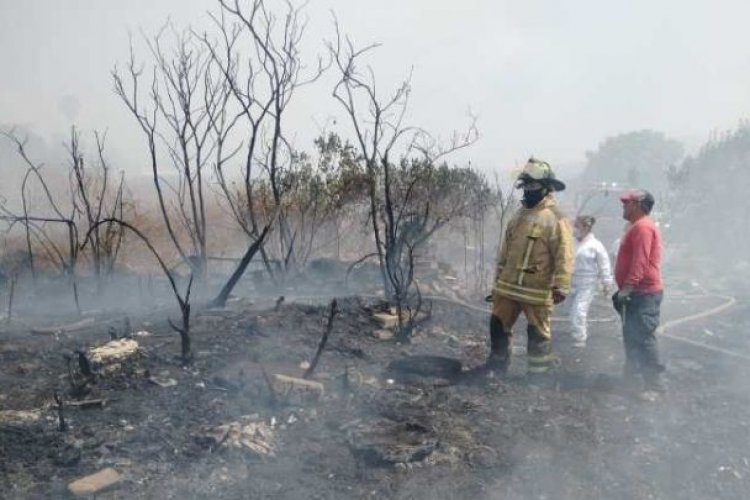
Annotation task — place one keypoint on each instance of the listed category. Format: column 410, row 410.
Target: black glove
column 621, row 297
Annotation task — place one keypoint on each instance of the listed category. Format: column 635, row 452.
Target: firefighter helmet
column 541, row 172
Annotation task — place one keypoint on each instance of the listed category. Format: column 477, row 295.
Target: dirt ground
column 372, row 434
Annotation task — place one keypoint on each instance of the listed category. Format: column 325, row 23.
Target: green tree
column 707, row 204
column 638, row 159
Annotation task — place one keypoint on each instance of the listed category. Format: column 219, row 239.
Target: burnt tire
column 425, row 366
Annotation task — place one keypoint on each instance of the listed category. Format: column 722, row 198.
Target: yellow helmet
column 541, row 172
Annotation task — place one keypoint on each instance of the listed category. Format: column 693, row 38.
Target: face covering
column 532, row 197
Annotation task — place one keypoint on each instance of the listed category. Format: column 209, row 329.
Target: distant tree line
column 708, row 204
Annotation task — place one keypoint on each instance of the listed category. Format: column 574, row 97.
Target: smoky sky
column 544, row 77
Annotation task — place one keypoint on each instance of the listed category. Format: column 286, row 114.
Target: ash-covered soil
column 370, row 434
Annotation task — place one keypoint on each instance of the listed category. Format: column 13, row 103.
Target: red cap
column 632, row 195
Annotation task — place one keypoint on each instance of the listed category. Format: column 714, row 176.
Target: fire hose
column 728, row 301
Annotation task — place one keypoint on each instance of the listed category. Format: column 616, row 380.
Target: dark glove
column 557, row 296
column 621, row 297
column 616, row 302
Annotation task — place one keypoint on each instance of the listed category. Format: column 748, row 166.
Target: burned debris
column 237, row 306
column 399, row 412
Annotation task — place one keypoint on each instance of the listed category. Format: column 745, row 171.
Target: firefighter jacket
column 536, row 255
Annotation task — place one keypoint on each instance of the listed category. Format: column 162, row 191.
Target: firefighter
column 533, row 271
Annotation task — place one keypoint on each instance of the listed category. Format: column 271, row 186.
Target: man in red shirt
column 640, row 290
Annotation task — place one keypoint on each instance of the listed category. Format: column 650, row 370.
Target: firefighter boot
column 540, row 359
column 499, row 358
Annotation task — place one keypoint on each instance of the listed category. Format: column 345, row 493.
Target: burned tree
column 183, row 119
column 404, row 177
column 36, row 225
column 76, row 206
column 262, row 83
column 212, row 99
column 183, row 299
column 94, row 199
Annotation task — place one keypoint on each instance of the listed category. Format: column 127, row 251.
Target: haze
column 544, row 78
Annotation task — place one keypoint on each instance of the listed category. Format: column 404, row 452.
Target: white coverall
column 591, row 268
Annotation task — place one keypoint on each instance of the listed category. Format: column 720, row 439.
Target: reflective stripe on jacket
column 536, row 255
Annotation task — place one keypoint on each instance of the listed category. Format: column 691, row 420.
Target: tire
column 426, row 366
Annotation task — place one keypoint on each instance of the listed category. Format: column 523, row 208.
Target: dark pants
column 640, row 319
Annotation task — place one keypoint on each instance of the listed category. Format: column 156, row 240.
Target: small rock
column 95, row 483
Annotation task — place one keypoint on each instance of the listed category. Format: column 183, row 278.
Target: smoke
column 69, row 106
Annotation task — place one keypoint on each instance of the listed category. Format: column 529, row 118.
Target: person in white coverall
column 591, row 269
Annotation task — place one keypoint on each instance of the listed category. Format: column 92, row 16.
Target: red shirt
column 639, row 258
